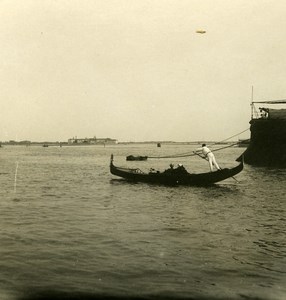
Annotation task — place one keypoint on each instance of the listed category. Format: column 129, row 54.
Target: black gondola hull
column 175, row 177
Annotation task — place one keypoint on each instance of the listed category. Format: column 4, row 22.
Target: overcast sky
column 136, row 70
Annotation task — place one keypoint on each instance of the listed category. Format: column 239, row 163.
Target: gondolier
column 209, row 156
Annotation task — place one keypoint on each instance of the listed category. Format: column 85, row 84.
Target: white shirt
column 205, row 150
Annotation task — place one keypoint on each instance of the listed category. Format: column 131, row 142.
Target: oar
column 207, row 160
column 199, row 155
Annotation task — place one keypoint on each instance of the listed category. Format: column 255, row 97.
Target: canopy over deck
column 283, row 101
column 267, row 112
column 276, row 113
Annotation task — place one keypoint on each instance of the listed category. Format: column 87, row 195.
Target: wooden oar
column 203, row 157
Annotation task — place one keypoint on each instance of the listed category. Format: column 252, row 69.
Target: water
column 71, row 230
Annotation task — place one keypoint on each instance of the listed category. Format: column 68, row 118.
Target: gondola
column 174, row 176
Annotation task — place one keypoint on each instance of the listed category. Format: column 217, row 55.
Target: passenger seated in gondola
column 179, row 170
column 152, row 171
column 170, row 170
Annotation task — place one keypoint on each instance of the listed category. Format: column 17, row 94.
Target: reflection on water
column 71, row 229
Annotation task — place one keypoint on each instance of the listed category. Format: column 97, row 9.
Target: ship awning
column 276, row 113
column 272, row 102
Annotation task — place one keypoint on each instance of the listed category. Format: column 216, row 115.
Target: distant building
column 92, row 141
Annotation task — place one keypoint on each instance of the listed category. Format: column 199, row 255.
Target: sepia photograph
column 142, row 149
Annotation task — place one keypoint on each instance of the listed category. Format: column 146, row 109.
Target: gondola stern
column 241, row 164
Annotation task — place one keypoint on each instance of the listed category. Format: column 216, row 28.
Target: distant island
column 71, row 142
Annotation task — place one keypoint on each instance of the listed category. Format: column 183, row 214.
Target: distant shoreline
column 65, row 144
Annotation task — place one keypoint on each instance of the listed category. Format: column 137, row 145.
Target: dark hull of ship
column 267, row 145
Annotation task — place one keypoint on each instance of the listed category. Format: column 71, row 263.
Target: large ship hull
column 267, row 145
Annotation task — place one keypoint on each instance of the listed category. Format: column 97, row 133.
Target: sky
column 137, row 70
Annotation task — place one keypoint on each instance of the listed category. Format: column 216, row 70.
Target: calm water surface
column 68, row 227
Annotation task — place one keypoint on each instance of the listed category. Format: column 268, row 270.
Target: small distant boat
column 132, row 157
column 174, row 176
